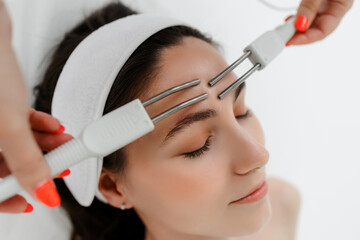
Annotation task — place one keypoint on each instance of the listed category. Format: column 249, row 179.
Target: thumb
column 26, row 161
column 306, row 14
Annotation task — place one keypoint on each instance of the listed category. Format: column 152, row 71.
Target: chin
column 254, row 218
column 265, row 217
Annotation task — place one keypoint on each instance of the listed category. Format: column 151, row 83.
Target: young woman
column 201, row 173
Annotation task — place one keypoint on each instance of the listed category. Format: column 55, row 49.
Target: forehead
column 192, row 59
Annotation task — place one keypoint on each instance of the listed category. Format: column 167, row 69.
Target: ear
column 111, row 189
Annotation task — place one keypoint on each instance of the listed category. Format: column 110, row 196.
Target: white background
column 307, row 99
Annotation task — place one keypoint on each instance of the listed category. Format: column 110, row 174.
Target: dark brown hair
column 102, row 221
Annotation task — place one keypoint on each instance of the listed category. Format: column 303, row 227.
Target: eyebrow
column 196, row 117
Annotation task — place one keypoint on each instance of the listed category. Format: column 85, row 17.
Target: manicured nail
column 302, row 23
column 287, row 44
column 287, row 19
column 60, row 130
column 64, row 174
column 47, row 194
column 29, row 208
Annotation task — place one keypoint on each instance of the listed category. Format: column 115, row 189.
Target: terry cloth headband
column 85, row 82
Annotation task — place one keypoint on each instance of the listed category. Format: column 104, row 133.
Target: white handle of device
column 266, row 47
column 100, row 138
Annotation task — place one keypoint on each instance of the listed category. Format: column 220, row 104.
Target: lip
column 254, row 196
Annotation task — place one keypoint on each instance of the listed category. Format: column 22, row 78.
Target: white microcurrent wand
column 131, row 121
column 106, row 135
column 260, row 52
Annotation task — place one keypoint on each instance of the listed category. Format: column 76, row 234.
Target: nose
column 248, row 153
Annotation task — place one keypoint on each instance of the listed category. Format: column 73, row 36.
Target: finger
column 44, row 122
column 323, row 25
column 48, row 141
column 26, row 161
column 288, row 17
column 21, row 153
column 308, row 9
column 16, row 204
column 4, row 170
column 65, row 173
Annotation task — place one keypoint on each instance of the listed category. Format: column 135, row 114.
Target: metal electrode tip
column 229, row 69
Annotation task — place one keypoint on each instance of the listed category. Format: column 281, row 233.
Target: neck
column 157, row 231
column 166, row 234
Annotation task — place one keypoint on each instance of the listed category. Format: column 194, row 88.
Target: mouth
column 256, row 195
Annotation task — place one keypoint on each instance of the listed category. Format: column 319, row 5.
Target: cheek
column 156, row 175
column 185, row 194
column 178, row 182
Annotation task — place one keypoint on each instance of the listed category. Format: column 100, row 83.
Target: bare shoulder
column 285, row 201
column 284, row 195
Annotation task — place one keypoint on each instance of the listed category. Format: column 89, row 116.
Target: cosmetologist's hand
column 20, row 152
column 316, row 19
column 48, row 135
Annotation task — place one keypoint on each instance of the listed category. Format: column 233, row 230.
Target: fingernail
column 60, row 130
column 287, row 19
column 29, row 208
column 47, row 194
column 301, row 23
column 64, row 174
column 287, row 44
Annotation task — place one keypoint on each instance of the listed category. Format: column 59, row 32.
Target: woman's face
column 183, row 183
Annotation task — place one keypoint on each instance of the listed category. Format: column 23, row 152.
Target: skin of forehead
column 192, row 59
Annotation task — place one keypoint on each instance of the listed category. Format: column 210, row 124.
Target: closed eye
column 248, row 113
column 200, row 151
column 206, row 146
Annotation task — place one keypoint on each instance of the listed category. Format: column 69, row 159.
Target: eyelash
column 206, row 147
column 245, row 115
column 199, row 152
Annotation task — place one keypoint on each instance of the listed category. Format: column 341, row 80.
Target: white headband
column 85, row 82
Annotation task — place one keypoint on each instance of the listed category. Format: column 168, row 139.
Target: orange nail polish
column 64, row 173
column 29, row 208
column 301, row 23
column 47, row 194
column 60, row 130
column 287, row 19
